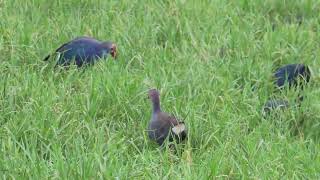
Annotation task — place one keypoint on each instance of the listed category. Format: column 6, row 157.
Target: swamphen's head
column 112, row 47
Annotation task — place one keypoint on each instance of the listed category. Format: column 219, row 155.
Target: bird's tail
column 46, row 58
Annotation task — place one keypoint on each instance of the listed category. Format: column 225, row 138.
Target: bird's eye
column 113, row 48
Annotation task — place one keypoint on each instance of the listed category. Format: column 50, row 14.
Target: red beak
column 114, row 51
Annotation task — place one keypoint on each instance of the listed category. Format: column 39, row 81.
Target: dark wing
column 47, row 58
column 57, row 50
column 61, row 48
column 175, row 121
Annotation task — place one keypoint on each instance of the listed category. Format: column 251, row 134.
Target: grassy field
column 212, row 62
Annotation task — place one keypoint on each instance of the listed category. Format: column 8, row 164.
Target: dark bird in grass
column 275, row 104
column 163, row 125
column 293, row 75
column 84, row 51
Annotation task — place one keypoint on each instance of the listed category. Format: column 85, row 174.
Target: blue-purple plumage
column 291, row 74
column 84, row 50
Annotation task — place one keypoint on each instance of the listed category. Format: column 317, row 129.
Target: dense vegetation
column 212, row 62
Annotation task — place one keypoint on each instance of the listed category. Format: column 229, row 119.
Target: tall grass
column 212, row 62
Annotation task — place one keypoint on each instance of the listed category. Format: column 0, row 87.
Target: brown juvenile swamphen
column 84, row 51
column 163, row 125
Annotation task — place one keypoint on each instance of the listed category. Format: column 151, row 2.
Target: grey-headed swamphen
column 162, row 124
column 84, row 51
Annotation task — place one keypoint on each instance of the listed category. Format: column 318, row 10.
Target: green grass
column 204, row 56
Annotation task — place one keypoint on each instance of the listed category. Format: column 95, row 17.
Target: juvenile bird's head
column 153, row 94
column 112, row 47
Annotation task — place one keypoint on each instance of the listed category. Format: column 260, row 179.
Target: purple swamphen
column 84, row 51
column 292, row 74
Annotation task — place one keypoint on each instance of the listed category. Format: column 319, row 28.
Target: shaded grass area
column 204, row 56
